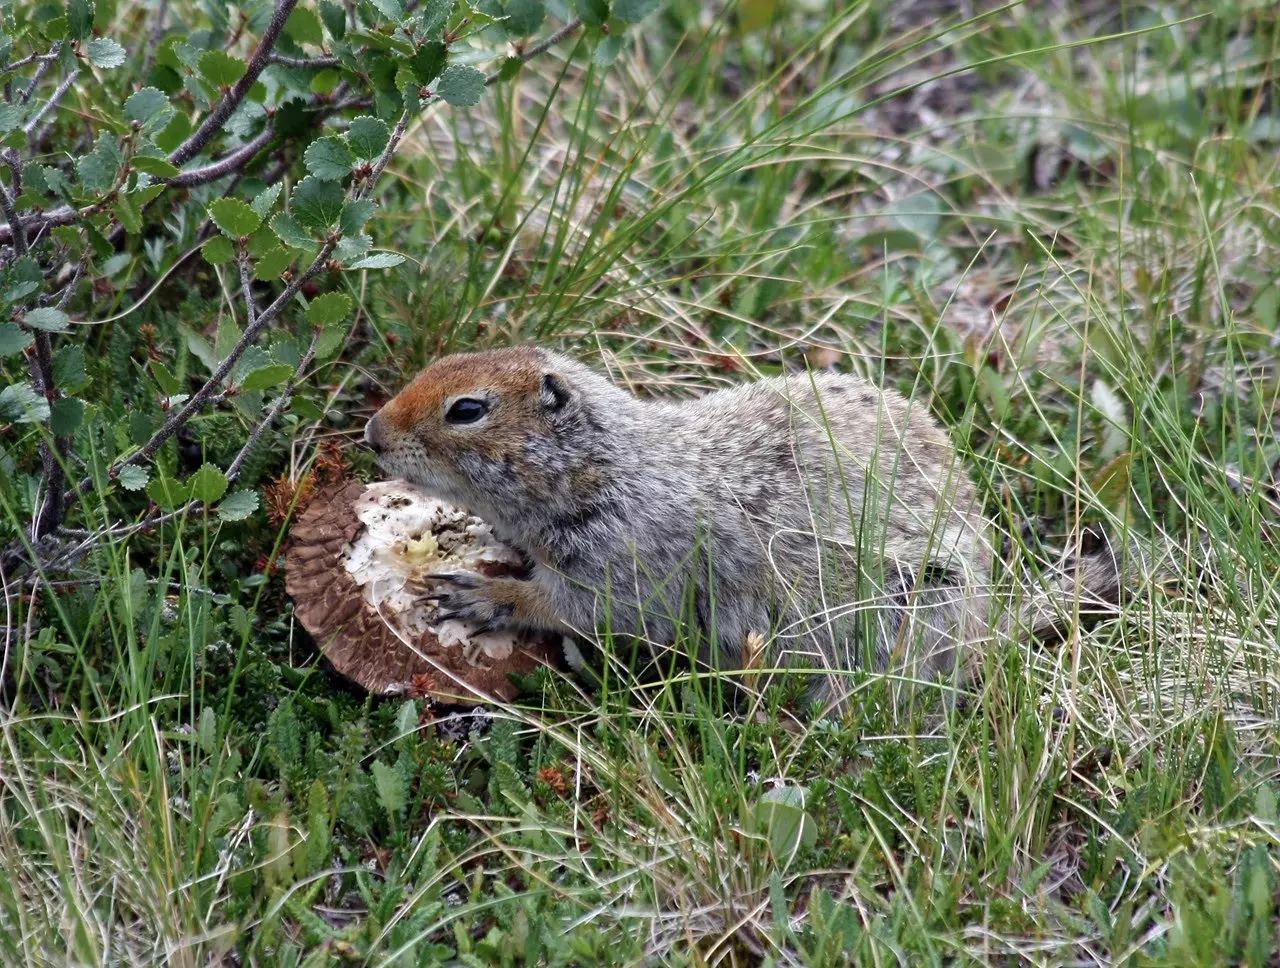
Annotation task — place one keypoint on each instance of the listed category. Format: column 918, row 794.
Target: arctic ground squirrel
column 815, row 513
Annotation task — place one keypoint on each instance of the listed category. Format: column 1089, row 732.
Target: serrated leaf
column 334, row 17
column 524, row 17
column 127, row 215
column 329, row 157
column 218, row 251
column 378, row 260
column 428, row 61
column 68, row 369
column 331, row 340
column 47, row 318
column 13, row 339
column 167, row 493
column 390, row 786
column 304, row 27
column 220, row 68
column 272, row 263
column 433, row 15
column 149, row 107
column 132, row 477
column 266, row 376
column 11, row 118
column 166, row 381
column 331, row 308
column 461, row 86
column 65, row 416
column 319, row 840
column 238, row 505
column 174, row 133
column 79, row 19
column 593, row 12
column 317, row 203
column 97, row 169
column 633, row 11
column 391, row 9
column 19, row 403
column 354, row 215
column 159, row 167
column 264, row 200
column 367, row 136
column 608, row 49
column 207, row 484
column 234, row 217
column 104, row 52
column 352, row 247
column 289, row 232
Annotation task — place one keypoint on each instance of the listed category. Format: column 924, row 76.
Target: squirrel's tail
column 1084, row 585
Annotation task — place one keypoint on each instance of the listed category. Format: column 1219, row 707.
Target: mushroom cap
column 350, row 567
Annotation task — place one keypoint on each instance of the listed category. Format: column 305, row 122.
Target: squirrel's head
column 506, row 433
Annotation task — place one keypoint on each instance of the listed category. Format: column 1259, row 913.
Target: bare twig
column 226, row 165
column 257, row 63
column 539, row 48
column 40, row 72
column 278, row 408
column 284, row 60
column 48, row 105
column 157, row 34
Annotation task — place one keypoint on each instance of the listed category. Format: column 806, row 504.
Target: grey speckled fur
column 818, row 511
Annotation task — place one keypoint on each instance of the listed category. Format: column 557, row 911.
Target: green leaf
column 65, row 416
column 428, row 61
column 332, row 307
column 166, row 381
column 207, row 484
column 218, row 251
column 378, row 260
column 105, row 53
column 331, row 340
column 593, row 12
column 68, row 369
column 390, row 786
column 780, row 815
column 319, row 840
column 47, row 318
column 329, row 157
column 273, row 262
column 238, row 505
column 234, row 217
column 220, row 68
column 920, row 213
column 207, row 731
column 79, row 19
column 461, row 86
column 127, row 215
column 354, row 215
column 433, row 15
column 11, row 118
column 264, row 200
column 289, row 232
column 174, row 133
column 351, row 248
column 317, row 203
column 633, row 11
column 97, row 169
column 524, row 17
column 608, row 49
column 13, row 339
column 168, row 493
column 19, row 403
column 149, row 107
column 159, row 167
column 391, row 9
column 334, row 16
column 266, row 376
column 132, row 477
column 304, row 27
column 367, row 136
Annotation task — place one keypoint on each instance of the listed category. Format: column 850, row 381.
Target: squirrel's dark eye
column 466, row 411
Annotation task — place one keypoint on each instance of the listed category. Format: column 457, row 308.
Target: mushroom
column 354, row 567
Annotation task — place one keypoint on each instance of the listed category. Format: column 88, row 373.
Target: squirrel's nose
column 373, row 434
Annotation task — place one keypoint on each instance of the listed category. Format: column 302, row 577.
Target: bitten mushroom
column 356, row 557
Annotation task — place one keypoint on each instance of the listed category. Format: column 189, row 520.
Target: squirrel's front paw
column 469, row 597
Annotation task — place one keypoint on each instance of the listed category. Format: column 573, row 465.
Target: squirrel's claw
column 465, row 597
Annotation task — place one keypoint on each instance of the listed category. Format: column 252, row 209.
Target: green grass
column 1053, row 224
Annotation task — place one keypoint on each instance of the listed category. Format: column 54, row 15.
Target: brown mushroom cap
column 372, row 647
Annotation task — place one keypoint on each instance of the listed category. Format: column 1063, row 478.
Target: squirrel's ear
column 554, row 393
